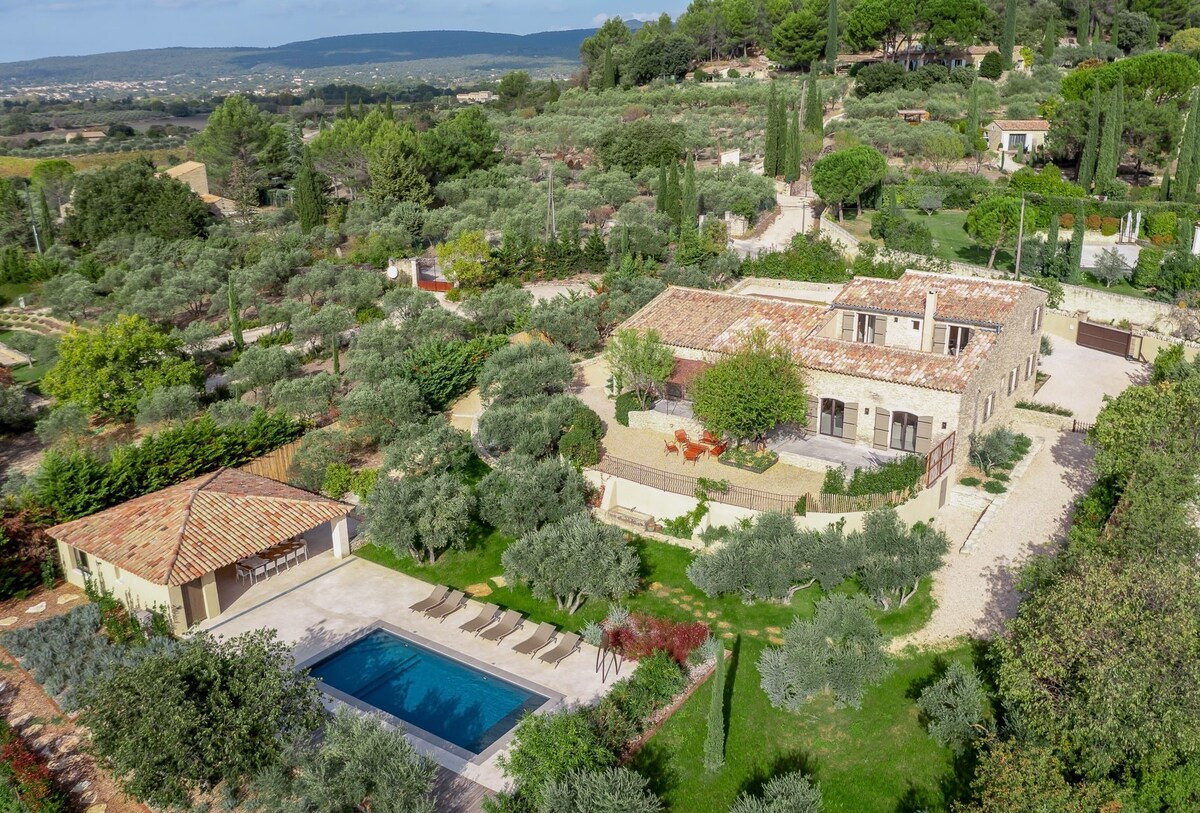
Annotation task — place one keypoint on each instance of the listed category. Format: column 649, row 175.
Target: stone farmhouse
column 891, row 365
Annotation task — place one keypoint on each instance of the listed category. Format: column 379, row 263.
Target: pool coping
column 553, row 699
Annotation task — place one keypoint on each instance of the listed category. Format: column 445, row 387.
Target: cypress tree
column 973, row 118
column 47, row 220
column 235, row 312
column 791, row 169
column 1164, row 189
column 781, row 133
column 347, row 113
column 1091, row 145
column 362, row 113
column 1009, row 38
column 714, row 743
column 674, row 194
column 661, row 194
column 1110, row 142
column 1052, row 232
column 308, row 198
column 1114, row 30
column 609, row 77
column 387, row 108
column 771, row 149
column 1077, row 240
column 1186, row 167
column 1050, row 41
column 1083, row 23
column 814, row 121
column 831, row 36
column 691, row 199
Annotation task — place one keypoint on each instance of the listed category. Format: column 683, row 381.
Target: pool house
column 196, row 547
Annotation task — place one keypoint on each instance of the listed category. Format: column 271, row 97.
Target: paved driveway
column 1080, row 378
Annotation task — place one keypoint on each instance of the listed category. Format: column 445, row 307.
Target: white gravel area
column 975, row 591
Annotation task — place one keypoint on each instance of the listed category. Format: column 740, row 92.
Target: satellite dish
column 393, row 272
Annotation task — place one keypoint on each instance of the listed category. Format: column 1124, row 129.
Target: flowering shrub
column 21, row 770
column 643, row 635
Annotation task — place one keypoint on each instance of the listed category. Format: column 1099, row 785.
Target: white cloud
column 640, row 16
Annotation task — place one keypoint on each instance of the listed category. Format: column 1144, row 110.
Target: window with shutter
column 1029, row 366
column 988, row 404
column 880, row 330
column 864, row 329
column 903, row 432
column 1012, row 380
column 883, row 422
column 813, row 406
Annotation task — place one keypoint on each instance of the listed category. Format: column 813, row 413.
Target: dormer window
column 956, row 339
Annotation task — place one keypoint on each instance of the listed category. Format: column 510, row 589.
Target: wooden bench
column 628, row 518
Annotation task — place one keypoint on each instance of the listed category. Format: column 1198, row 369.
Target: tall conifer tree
column 674, row 193
column 1077, row 240
column 1083, row 23
column 662, row 196
column 791, row 169
column 771, row 149
column 973, row 118
column 691, row 199
column 308, row 195
column 1188, row 166
column 831, row 36
column 1091, row 144
column 1109, row 160
column 813, row 113
column 1009, row 38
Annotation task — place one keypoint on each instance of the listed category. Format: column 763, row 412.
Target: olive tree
column 360, row 763
column 522, row 494
column 572, row 559
column 378, row 411
column 518, row 371
column 307, row 397
column 434, row 447
column 639, row 360
column 499, row 309
column 612, row 789
column 164, row 404
column 839, row 652
column 896, row 557
column 786, row 793
column 420, row 515
column 259, row 368
column 955, row 706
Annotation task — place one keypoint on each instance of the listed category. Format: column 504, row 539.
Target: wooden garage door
column 1104, row 338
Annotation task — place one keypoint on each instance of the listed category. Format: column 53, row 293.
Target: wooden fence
column 274, row 466
column 751, row 498
column 939, row 460
column 1082, row 427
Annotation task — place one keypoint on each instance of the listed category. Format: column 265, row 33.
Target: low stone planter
column 755, row 462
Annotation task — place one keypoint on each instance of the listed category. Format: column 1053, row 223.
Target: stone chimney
column 931, row 298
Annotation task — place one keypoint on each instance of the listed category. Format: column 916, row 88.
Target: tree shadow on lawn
column 730, row 677
column 797, row 761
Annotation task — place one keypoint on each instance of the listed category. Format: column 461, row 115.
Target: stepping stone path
column 774, row 630
column 8, row 622
column 21, row 719
column 100, row 808
column 723, row 624
column 478, row 590
column 68, row 598
column 499, row 581
column 711, row 615
column 40, row 607
column 80, row 787
column 775, row 639
column 752, row 632
column 727, row 635
column 698, row 613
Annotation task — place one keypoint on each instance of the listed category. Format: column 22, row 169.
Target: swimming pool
column 442, row 696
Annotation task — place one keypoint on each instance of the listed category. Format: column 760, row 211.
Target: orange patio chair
column 709, row 438
column 717, row 450
column 681, row 436
column 670, row 448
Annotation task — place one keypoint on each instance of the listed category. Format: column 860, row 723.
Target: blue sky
column 37, row 28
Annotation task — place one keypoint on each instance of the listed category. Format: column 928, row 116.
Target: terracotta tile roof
column 1018, row 125
column 686, row 371
column 687, row 317
column 960, row 299
column 715, row 322
column 183, row 532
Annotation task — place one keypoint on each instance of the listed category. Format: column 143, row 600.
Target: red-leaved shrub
column 643, row 635
column 31, row 778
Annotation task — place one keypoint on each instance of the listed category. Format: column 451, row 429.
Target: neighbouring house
column 1016, row 135
column 894, row 365
column 914, row 115
column 476, row 97
column 192, row 173
column 89, row 136
column 193, row 548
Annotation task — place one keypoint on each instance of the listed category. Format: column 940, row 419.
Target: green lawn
column 877, row 759
column 25, row 374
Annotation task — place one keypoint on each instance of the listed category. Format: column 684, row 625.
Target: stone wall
column 1012, row 350
column 664, row 424
column 871, row 395
column 1100, row 306
column 1049, row 420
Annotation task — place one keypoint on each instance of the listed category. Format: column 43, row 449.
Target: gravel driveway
column 975, row 591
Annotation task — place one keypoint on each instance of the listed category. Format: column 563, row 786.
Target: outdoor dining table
column 693, row 451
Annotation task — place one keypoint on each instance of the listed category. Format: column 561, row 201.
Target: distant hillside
column 328, row 52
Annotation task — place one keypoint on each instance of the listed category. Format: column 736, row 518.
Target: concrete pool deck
column 325, row 602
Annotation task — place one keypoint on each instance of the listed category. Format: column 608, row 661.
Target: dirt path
column 795, row 216
column 975, row 591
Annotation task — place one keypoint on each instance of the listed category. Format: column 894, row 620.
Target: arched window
column 833, row 416
column 904, row 431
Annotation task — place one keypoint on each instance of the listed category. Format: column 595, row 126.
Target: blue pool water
column 459, row 703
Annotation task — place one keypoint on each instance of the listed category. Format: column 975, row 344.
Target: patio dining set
column 267, row 562
column 693, row 449
column 492, row 624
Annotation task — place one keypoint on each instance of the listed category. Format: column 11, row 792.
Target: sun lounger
column 540, row 638
column 452, row 603
column 505, row 627
column 435, row 598
column 486, row 616
column 566, row 645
